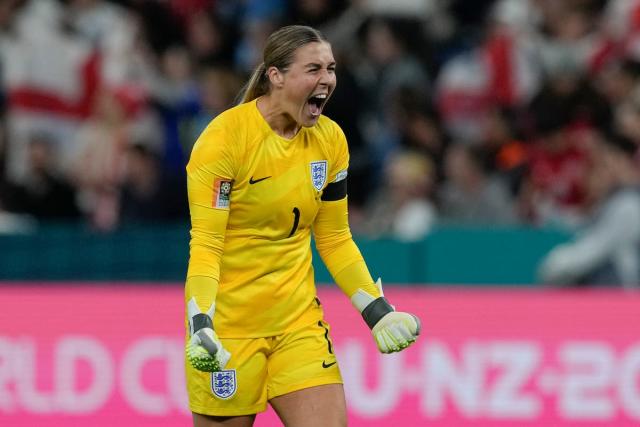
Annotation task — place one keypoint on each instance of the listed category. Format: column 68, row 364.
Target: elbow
column 208, row 243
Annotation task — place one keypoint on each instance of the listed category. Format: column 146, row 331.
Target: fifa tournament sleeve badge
column 224, row 384
column 319, row 174
column 222, row 194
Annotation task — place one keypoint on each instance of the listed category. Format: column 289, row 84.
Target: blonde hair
column 278, row 52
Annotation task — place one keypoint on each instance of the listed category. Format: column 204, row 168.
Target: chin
column 309, row 121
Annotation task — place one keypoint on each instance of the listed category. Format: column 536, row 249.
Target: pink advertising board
column 107, row 355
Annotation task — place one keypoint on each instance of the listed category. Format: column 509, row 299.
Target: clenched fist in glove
column 392, row 330
column 204, row 349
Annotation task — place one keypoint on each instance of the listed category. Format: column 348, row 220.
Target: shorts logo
column 221, row 194
column 319, row 174
column 223, row 383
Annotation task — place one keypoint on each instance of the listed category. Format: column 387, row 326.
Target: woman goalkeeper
column 263, row 177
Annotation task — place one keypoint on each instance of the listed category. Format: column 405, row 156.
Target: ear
column 275, row 77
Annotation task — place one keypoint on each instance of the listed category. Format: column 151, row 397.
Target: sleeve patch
column 340, row 175
column 335, row 191
column 221, row 193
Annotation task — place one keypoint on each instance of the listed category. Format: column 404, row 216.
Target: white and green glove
column 204, row 349
column 393, row 330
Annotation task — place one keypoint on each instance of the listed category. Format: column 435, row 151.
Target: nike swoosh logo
column 253, row 181
column 326, row 365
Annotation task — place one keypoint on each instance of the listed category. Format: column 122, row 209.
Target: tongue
column 315, row 110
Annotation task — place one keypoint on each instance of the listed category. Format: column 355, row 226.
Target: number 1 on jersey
column 296, row 220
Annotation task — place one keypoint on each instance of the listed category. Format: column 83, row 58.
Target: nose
column 326, row 77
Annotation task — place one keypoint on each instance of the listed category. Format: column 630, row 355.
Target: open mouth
column 316, row 103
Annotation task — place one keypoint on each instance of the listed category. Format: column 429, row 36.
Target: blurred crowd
column 484, row 112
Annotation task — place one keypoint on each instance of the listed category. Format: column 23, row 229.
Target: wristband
column 375, row 311
column 201, row 321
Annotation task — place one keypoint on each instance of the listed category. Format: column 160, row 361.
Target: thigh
column 240, row 389
column 210, row 421
column 319, row 406
column 302, row 359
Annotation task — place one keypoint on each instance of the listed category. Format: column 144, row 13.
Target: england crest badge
column 224, row 384
column 319, row 174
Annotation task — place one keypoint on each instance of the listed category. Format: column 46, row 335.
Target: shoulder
column 228, row 127
column 232, row 118
column 327, row 125
column 329, row 131
column 222, row 138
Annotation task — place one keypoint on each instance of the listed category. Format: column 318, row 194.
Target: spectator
column 418, row 124
column 552, row 192
column 177, row 96
column 469, row 194
column 346, row 109
column 391, row 65
column 209, row 39
column 501, row 71
column 49, row 77
column 402, row 208
column 218, row 88
column 115, row 33
column 607, row 250
column 44, row 193
column 618, row 79
column 150, row 194
column 508, row 154
column 315, row 13
column 627, row 120
column 261, row 17
column 120, row 117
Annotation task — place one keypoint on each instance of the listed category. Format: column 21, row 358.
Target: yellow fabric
column 356, row 276
column 204, row 289
column 266, row 368
column 264, row 271
column 338, row 251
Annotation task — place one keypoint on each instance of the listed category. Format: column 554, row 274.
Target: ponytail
column 256, row 86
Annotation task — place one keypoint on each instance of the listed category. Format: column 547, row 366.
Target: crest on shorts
column 319, row 174
column 224, row 384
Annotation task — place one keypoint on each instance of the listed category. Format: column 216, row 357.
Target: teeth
column 321, row 96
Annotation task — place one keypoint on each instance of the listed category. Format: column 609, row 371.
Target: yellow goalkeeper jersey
column 254, row 197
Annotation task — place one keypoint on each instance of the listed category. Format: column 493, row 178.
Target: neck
column 278, row 119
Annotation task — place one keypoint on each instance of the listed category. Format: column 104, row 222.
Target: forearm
column 339, row 252
column 204, row 350
column 203, row 273
column 356, row 277
column 393, row 331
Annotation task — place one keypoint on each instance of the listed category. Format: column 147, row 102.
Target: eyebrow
column 316, row 65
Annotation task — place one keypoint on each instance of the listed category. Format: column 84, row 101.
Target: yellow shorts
column 263, row 368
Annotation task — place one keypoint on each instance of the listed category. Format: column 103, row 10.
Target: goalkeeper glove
column 204, row 349
column 392, row 330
